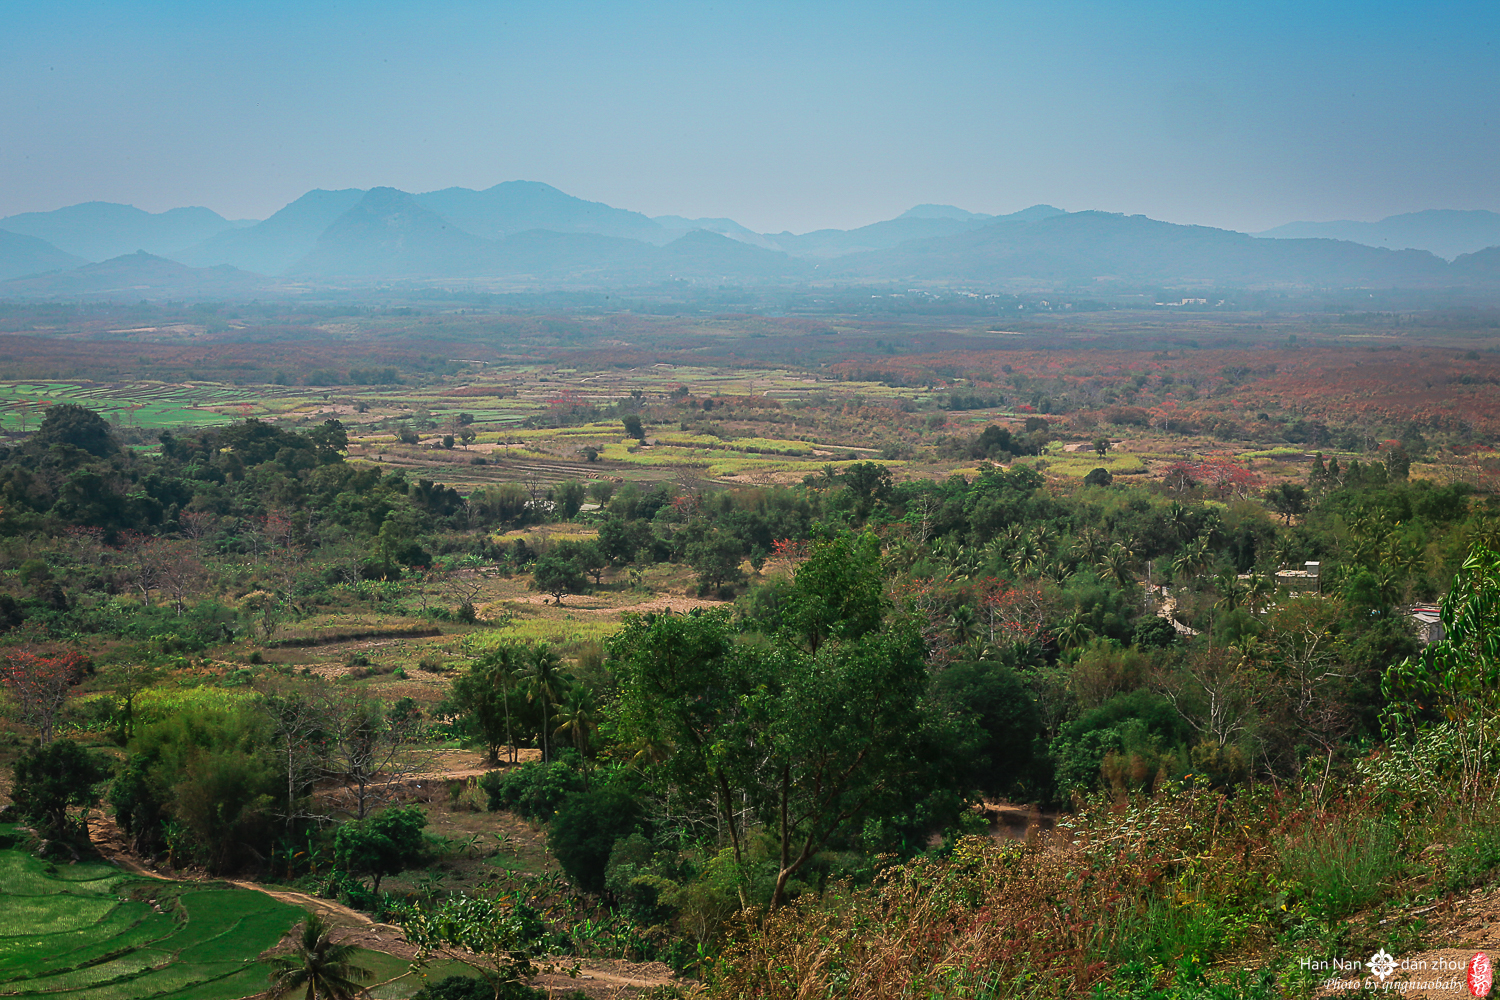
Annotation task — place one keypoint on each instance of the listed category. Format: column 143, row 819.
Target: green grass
column 394, row 978
column 28, row 916
column 1342, row 867
column 1080, row 464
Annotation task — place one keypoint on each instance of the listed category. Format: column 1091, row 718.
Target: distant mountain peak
column 941, row 212
column 1031, row 214
column 99, row 230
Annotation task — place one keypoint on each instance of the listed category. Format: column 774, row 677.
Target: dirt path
column 601, row 979
column 598, row 979
column 1460, row 928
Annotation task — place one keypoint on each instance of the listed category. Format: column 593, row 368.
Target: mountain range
column 1444, row 232
column 526, row 234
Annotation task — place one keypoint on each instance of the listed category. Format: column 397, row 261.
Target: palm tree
column 1286, row 551
column 578, row 717
column 1089, row 545
column 967, row 562
column 1193, row 559
column 1073, row 633
column 503, row 662
column 993, row 554
column 546, row 684
column 326, row 969
column 1025, row 558
column 1403, row 558
column 1262, row 589
column 962, row 624
column 1118, row 564
column 1231, row 591
column 1058, row 572
column 1180, row 519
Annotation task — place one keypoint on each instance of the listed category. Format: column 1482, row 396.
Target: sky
column 782, row 116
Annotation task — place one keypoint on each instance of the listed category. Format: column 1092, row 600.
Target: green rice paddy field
column 89, row 931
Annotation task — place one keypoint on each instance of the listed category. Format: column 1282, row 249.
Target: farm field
column 89, row 931
column 459, row 656
column 540, row 398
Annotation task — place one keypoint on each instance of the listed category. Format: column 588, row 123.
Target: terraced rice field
column 91, row 932
column 23, row 405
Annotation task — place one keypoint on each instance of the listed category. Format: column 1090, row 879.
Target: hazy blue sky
column 780, row 115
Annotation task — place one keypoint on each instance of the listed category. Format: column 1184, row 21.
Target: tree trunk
column 786, row 847
column 734, row 838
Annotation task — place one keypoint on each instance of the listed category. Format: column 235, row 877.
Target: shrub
column 473, row 988
column 1472, row 859
column 584, row 832
column 535, row 790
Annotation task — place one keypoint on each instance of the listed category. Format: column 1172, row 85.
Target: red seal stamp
column 1481, row 975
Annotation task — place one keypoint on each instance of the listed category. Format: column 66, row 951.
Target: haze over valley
column 521, row 234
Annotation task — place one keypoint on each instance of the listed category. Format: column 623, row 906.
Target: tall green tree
column 52, row 778
column 546, row 685
column 842, row 740
column 557, row 575
column 488, row 700
column 386, row 843
column 839, row 592
column 682, row 684
column 1455, row 681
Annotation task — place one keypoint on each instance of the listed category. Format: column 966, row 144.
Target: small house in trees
column 1300, row 580
column 1428, row 621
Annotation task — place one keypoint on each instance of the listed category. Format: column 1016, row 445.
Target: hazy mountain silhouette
column 138, row 276
column 388, row 234
column 274, row 245
column 951, row 212
column 22, row 255
column 702, row 254
column 677, row 225
column 1086, row 247
column 1481, row 268
column 568, row 257
column 525, row 233
column 517, row 206
column 919, row 223
column 1445, row 232
column 99, row 230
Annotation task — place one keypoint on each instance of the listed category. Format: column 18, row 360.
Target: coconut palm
column 578, row 717
column 962, row 624
column 1026, row 557
column 326, row 970
column 1073, row 633
column 1058, row 572
column 967, row 562
column 1089, row 546
column 545, row 685
column 1403, row 558
column 1286, row 551
column 1231, row 590
column 1180, row 519
column 1118, row 564
column 1194, row 558
column 993, row 554
column 1262, row 588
